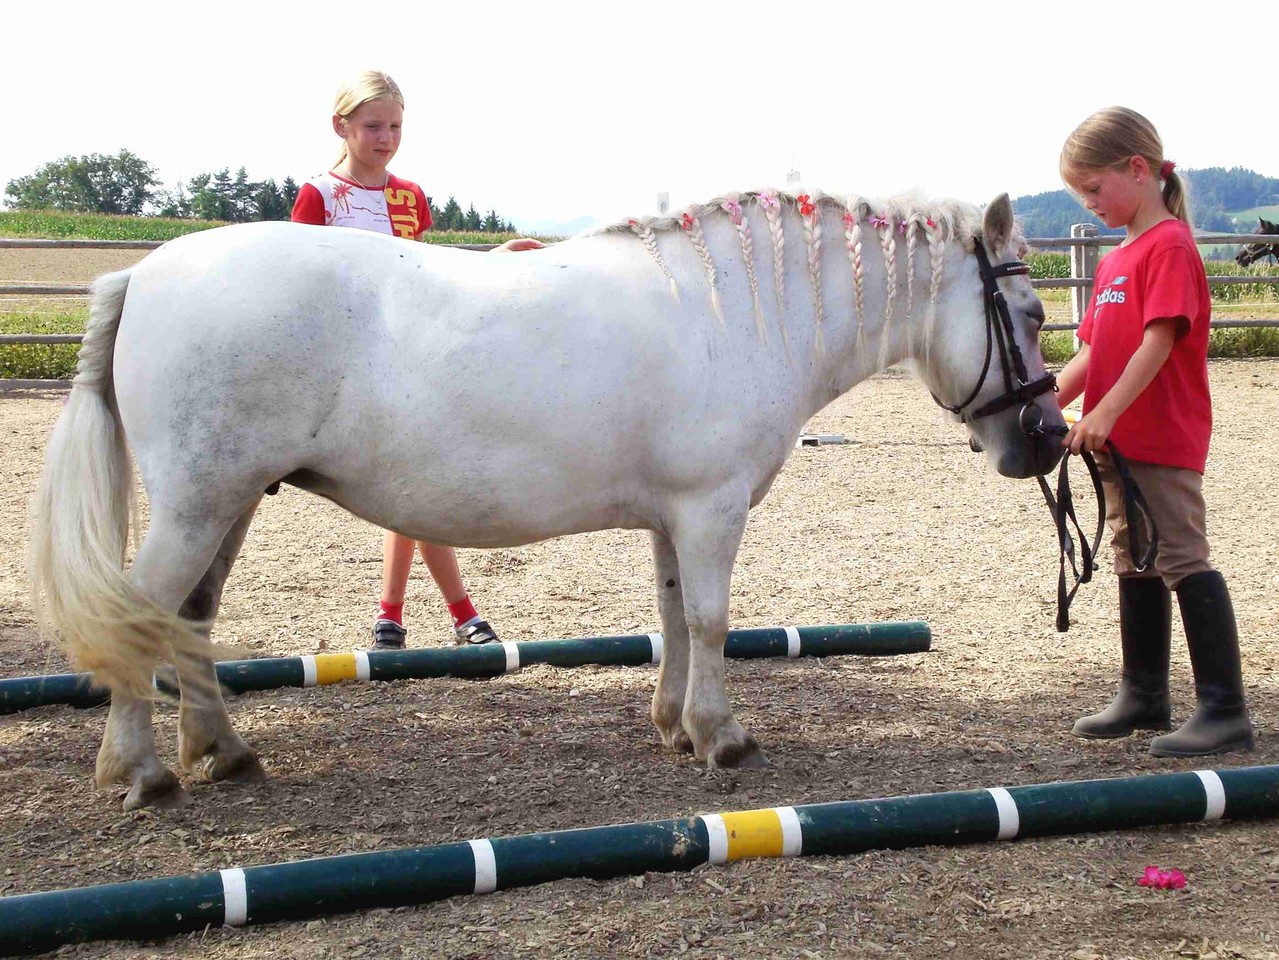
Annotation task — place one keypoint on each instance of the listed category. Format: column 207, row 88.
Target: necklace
column 359, row 184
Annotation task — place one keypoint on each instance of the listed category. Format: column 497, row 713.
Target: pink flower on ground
column 1163, row 879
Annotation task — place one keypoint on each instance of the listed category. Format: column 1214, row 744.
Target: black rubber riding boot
column 1145, row 632
column 1220, row 722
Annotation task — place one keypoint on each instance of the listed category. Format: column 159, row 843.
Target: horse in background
column 1253, row 252
column 651, row 375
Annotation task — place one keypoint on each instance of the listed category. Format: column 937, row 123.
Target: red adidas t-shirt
column 1157, row 276
column 400, row 208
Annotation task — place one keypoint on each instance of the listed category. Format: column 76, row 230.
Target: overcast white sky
column 550, row 111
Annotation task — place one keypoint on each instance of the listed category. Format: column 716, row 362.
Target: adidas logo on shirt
column 1111, row 296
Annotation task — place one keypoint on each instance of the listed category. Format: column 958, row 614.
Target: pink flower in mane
column 734, row 209
column 881, row 222
column 768, row 199
column 806, row 206
column 849, row 220
column 688, row 221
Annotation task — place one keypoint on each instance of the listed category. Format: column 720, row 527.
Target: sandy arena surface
column 904, row 523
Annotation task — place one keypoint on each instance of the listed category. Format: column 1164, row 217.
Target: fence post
column 1083, row 266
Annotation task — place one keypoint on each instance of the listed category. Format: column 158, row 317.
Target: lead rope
column 1062, row 509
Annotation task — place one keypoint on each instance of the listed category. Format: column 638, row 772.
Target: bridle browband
column 1018, row 388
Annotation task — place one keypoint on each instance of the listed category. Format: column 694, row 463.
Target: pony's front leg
column 672, row 675
column 128, row 755
column 706, row 540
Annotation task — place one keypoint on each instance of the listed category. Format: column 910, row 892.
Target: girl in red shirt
column 1143, row 370
column 360, row 192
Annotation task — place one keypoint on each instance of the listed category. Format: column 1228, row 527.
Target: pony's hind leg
column 207, row 743
column 672, row 675
column 707, row 535
column 175, row 554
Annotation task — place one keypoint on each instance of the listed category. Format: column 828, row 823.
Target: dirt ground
column 903, row 523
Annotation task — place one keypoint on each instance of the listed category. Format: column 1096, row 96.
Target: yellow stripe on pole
column 334, row 667
column 753, row 833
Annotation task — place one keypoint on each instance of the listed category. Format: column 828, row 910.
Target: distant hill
column 1216, row 196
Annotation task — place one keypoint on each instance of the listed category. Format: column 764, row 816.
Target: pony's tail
column 80, row 525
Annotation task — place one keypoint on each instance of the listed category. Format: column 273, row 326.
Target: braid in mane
column 910, row 226
column 693, row 227
column 772, row 206
column 853, row 240
column 733, row 207
column 645, row 233
column 936, row 236
column 888, row 244
column 811, row 215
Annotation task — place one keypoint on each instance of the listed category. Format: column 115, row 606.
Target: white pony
column 652, row 375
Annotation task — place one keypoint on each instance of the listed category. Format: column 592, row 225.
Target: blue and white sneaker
column 388, row 635
column 474, row 631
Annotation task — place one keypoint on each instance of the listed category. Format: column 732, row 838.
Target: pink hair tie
column 1166, row 168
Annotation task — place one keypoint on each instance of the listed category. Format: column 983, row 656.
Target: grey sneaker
column 477, row 631
column 388, row 635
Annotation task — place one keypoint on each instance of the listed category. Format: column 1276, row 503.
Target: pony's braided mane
column 908, row 215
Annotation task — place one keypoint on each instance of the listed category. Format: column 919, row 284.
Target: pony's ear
column 1266, row 225
column 997, row 224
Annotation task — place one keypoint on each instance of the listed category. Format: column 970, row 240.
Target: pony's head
column 986, row 366
column 1255, row 251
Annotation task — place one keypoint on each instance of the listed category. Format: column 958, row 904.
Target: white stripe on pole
column 512, row 656
column 485, row 866
column 1215, row 792
column 235, row 898
column 1009, row 819
column 792, row 642
column 658, row 643
column 308, row 671
column 361, row 665
column 792, row 833
column 717, row 834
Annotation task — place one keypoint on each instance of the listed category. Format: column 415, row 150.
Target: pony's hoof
column 235, row 768
column 680, row 741
column 745, row 755
column 163, row 792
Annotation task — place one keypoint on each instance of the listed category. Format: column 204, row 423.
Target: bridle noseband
column 1018, row 388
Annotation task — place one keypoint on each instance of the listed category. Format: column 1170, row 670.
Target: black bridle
column 1018, row 387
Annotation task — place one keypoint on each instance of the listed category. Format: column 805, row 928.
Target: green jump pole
column 310, row 888
column 491, row 660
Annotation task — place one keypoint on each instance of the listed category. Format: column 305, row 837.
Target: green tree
column 473, row 221
column 269, row 203
column 289, row 191
column 492, row 224
column 95, row 183
column 211, row 196
column 173, row 203
column 451, row 217
column 242, row 193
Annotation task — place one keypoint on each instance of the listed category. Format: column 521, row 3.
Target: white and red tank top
column 399, row 209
